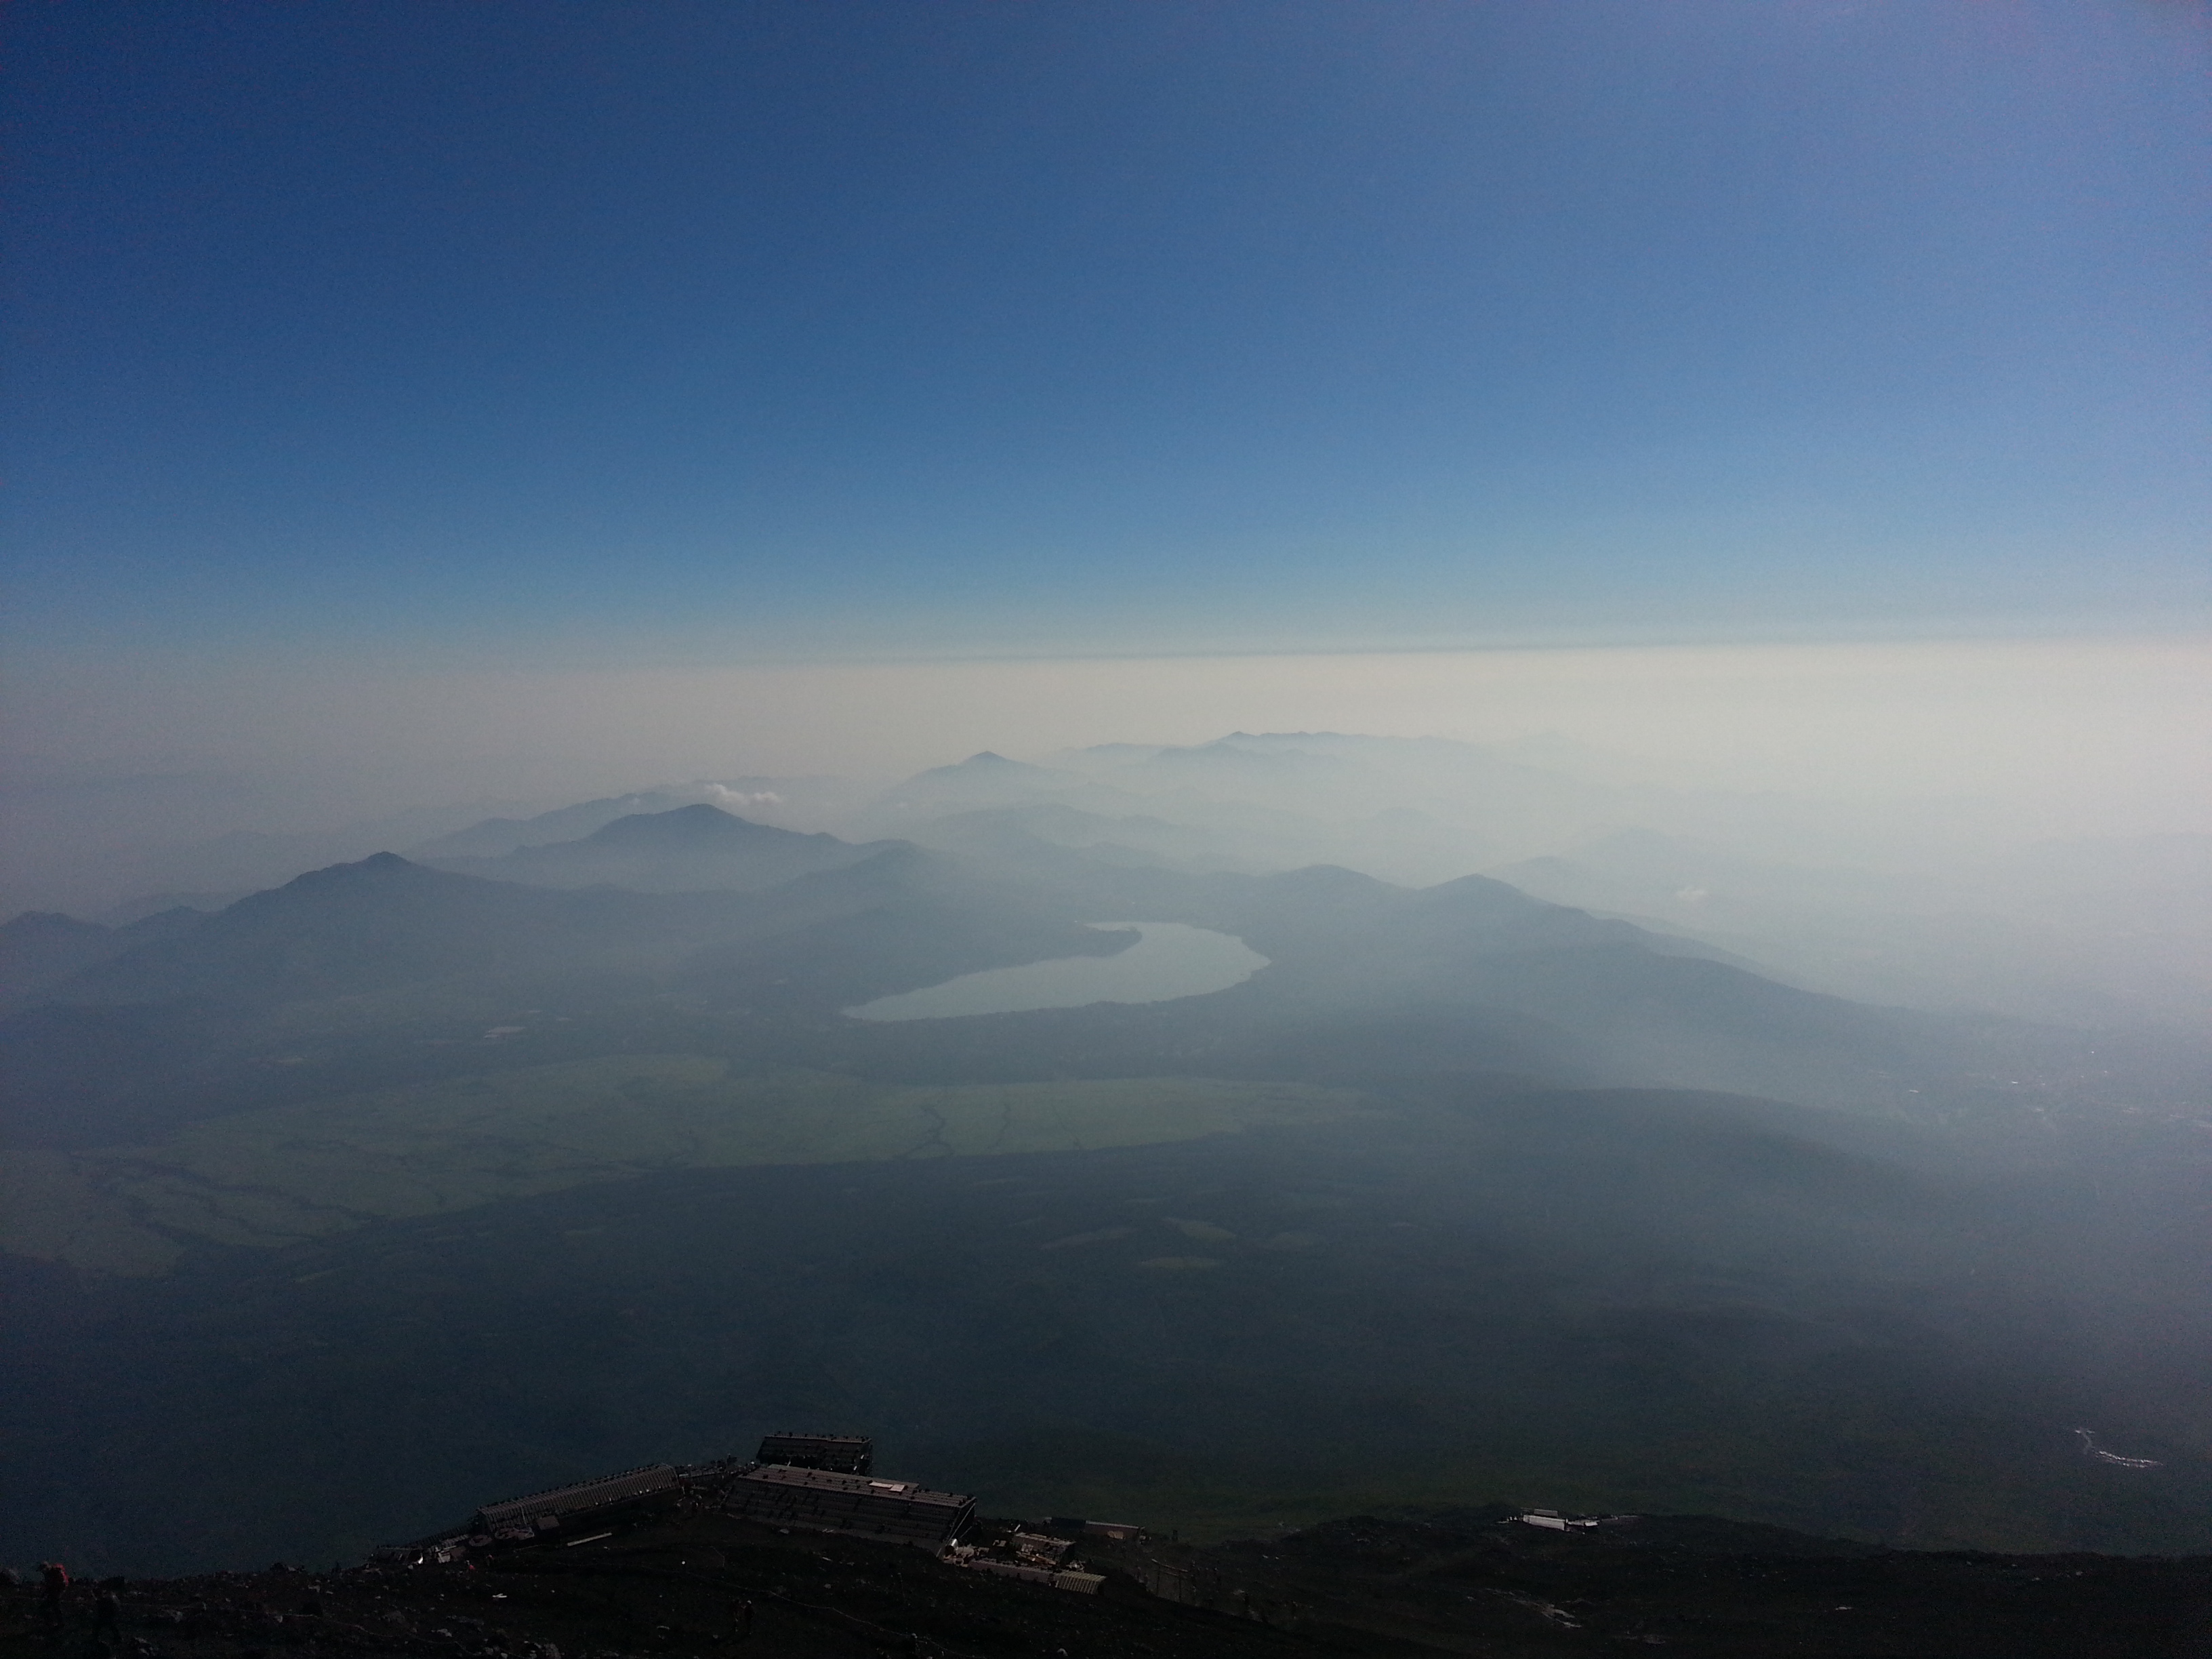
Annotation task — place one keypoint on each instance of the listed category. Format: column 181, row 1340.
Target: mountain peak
column 985, row 760
column 27, row 922
column 986, row 769
column 377, row 868
column 699, row 818
column 699, row 827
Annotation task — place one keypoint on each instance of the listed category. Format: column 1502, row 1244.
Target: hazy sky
column 795, row 328
column 401, row 391
column 2079, row 736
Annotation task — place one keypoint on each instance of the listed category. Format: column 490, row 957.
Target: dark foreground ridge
column 687, row 1562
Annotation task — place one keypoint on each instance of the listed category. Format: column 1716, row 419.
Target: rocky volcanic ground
column 700, row 1584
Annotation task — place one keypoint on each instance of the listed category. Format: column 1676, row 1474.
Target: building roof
column 854, row 1453
column 828, row 1500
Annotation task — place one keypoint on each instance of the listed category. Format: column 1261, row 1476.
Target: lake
column 1169, row 960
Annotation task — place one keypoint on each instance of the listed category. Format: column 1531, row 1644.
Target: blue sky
column 698, row 332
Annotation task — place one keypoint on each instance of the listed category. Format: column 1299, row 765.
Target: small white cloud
column 722, row 795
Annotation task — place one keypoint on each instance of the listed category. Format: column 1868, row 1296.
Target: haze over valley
column 1641, row 1164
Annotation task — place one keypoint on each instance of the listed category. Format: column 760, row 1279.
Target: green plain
column 275, row 1177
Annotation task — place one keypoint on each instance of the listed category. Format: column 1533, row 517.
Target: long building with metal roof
column 826, row 1500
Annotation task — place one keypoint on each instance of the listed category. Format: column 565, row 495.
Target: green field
column 275, row 1177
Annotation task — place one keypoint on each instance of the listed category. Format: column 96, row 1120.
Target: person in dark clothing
column 53, row 1590
column 108, row 1614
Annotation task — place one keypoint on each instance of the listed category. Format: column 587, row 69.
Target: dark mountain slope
column 39, row 945
column 1469, row 977
column 42, row 948
column 384, row 921
column 1616, row 1301
column 365, row 975
column 669, row 1578
column 495, row 836
column 1321, row 911
column 1482, row 1581
column 371, row 966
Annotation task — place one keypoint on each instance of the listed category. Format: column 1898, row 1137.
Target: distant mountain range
column 163, row 1020
column 1918, row 904
column 686, row 849
column 40, row 948
column 752, row 798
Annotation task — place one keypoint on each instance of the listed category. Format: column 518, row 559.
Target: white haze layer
column 2019, row 825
